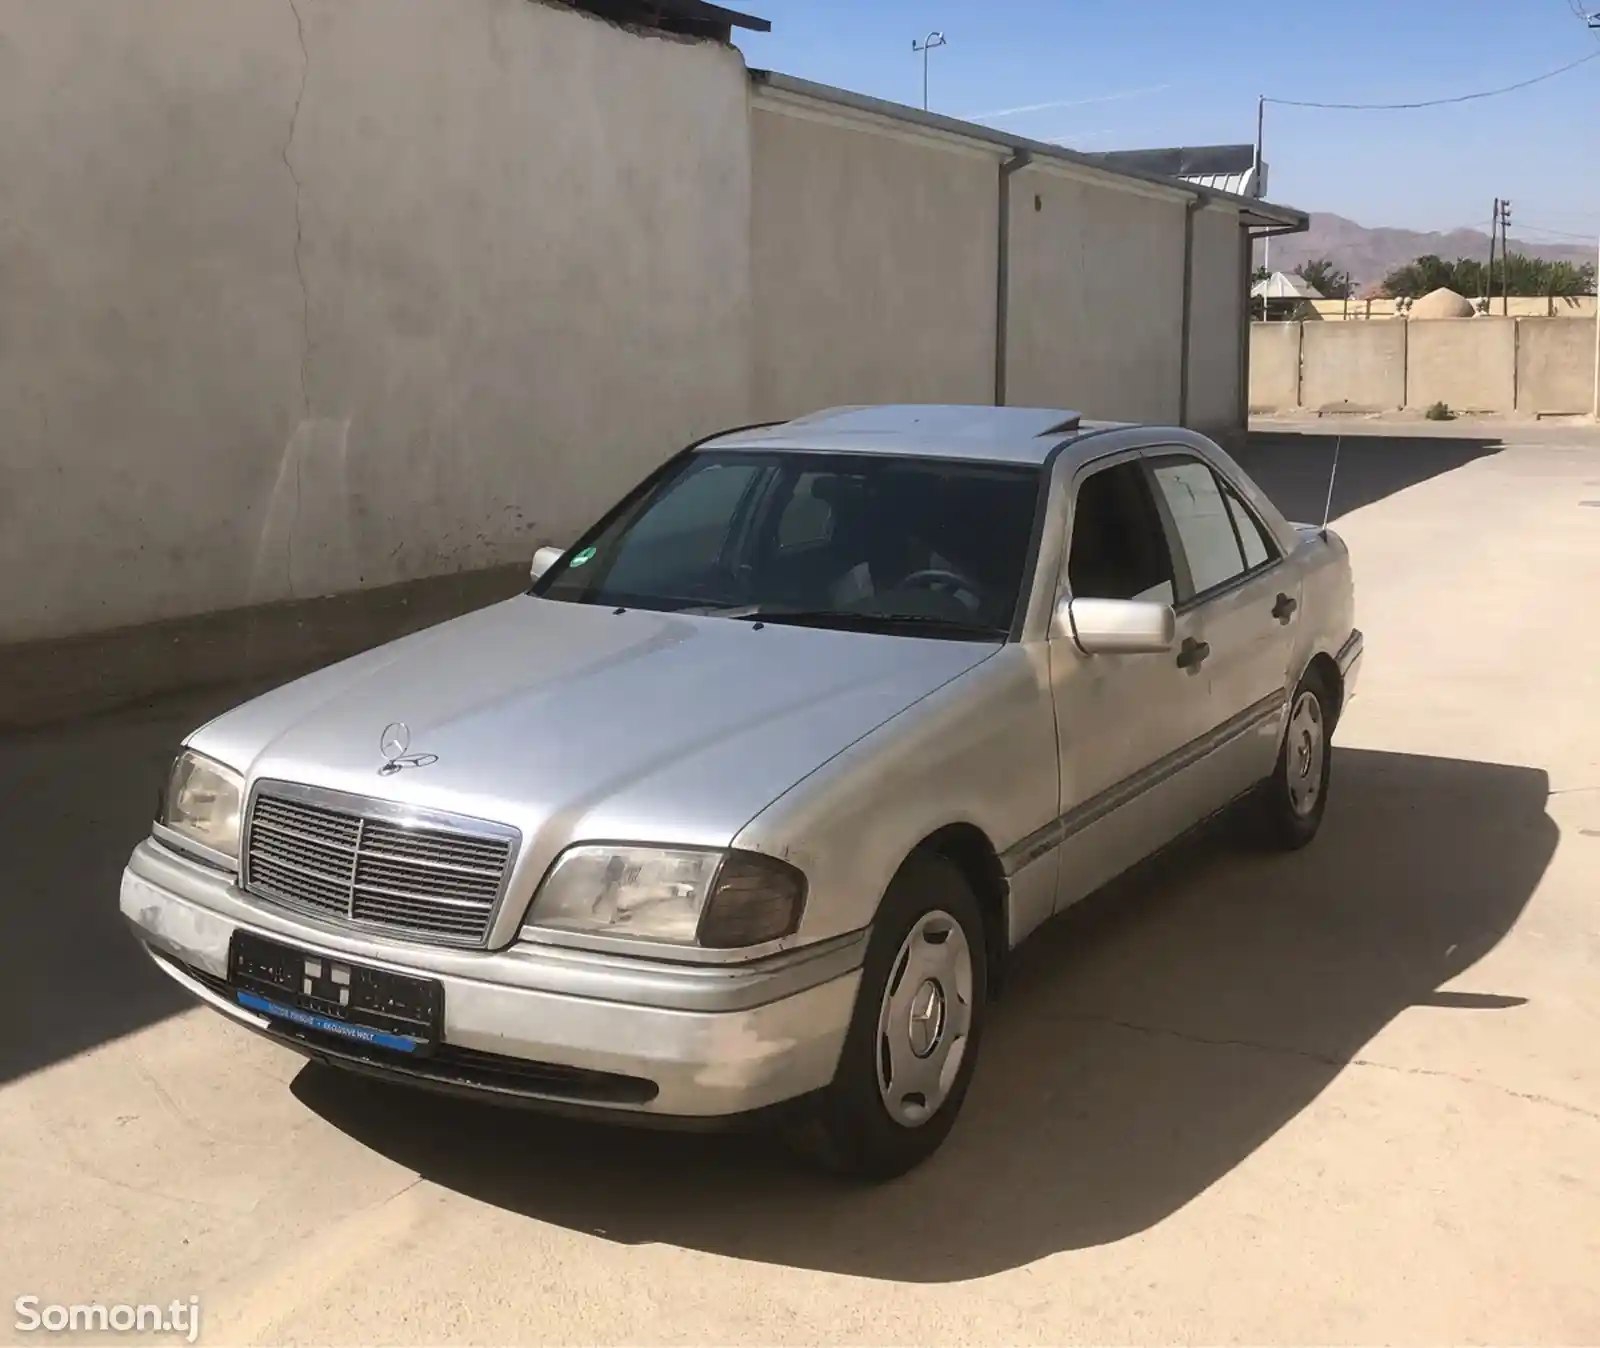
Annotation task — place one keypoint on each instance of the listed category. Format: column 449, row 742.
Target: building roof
column 1285, row 286
column 692, row 18
column 998, row 434
column 1228, row 168
column 1443, row 303
column 1252, row 212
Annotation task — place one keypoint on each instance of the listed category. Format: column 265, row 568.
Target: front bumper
column 633, row 1038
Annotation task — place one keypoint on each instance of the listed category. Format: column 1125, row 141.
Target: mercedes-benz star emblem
column 926, row 1022
column 395, row 744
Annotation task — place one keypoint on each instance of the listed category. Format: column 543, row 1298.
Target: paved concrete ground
column 1351, row 1095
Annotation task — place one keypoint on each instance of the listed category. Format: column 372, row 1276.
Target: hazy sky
column 1120, row 74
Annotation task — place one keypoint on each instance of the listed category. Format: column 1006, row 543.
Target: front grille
column 368, row 864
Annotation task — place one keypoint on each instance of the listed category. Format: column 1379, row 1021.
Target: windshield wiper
column 859, row 622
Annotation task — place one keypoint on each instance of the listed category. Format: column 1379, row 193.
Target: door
column 1235, row 593
column 1124, row 723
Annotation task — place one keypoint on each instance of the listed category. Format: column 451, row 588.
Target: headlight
column 677, row 896
column 202, row 803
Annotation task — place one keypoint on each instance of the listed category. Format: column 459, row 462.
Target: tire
column 929, row 924
column 1290, row 804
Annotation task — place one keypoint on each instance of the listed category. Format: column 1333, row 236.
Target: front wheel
column 913, row 1040
column 1290, row 804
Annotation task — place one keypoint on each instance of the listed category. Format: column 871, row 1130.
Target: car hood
column 570, row 721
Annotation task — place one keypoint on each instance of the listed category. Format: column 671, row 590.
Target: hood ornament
column 395, row 744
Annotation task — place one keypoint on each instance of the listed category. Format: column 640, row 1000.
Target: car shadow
column 74, row 801
column 1293, row 467
column 1149, row 1041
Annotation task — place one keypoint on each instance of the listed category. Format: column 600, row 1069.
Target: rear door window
column 1219, row 537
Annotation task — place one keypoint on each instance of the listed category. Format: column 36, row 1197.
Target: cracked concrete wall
column 302, row 297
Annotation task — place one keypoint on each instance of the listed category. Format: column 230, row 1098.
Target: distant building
column 1442, row 303
column 1283, row 285
column 1283, row 296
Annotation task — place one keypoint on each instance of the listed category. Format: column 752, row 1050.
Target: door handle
column 1284, row 609
column 1193, row 653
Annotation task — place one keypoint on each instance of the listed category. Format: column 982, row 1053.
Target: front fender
column 979, row 751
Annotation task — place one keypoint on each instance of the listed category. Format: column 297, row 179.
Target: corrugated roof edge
column 1280, row 219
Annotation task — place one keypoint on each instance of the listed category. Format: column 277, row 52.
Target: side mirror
column 1118, row 626
column 543, row 560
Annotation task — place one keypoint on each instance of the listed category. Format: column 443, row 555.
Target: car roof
column 1018, row 435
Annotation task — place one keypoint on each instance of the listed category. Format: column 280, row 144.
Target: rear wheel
column 913, row 1039
column 1290, row 803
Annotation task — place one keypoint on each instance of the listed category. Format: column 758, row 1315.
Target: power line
column 1558, row 233
column 1440, row 102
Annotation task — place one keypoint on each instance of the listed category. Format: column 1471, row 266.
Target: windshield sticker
column 584, row 556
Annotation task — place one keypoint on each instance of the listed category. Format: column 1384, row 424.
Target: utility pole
column 1505, row 258
column 1594, row 23
column 1494, row 239
column 925, row 46
column 1261, row 131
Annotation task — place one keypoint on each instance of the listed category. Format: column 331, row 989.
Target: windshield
column 922, row 546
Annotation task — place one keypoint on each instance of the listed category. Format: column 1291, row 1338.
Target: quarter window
column 1258, row 551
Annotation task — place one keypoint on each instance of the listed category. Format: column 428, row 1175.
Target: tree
column 1469, row 276
column 1259, row 275
column 1535, row 276
column 1423, row 276
column 1322, row 276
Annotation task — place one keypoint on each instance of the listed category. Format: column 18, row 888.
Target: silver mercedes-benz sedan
column 738, row 813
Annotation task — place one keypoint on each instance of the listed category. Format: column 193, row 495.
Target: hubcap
column 1306, row 748
column 924, row 1019
column 926, row 1025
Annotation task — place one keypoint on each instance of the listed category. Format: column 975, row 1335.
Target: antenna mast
column 1327, row 508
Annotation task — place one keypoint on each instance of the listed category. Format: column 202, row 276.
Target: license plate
column 336, row 997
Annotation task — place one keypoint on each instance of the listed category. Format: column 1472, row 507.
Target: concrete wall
column 1517, row 306
column 302, row 298
column 1096, row 296
column 1528, row 366
column 1217, row 325
column 1469, row 365
column 1274, row 366
column 1556, row 364
column 873, row 253
column 1345, row 364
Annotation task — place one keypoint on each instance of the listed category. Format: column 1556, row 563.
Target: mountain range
column 1371, row 254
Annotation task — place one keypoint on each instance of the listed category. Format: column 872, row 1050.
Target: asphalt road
column 1351, row 1095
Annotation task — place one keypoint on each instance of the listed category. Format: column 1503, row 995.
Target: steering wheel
column 937, row 578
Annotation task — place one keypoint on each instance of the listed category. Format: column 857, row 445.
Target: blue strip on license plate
column 312, row 1021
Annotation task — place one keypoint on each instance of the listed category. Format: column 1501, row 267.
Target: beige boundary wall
column 873, row 261
column 875, row 247
column 1529, row 366
column 319, row 298
column 1514, row 306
